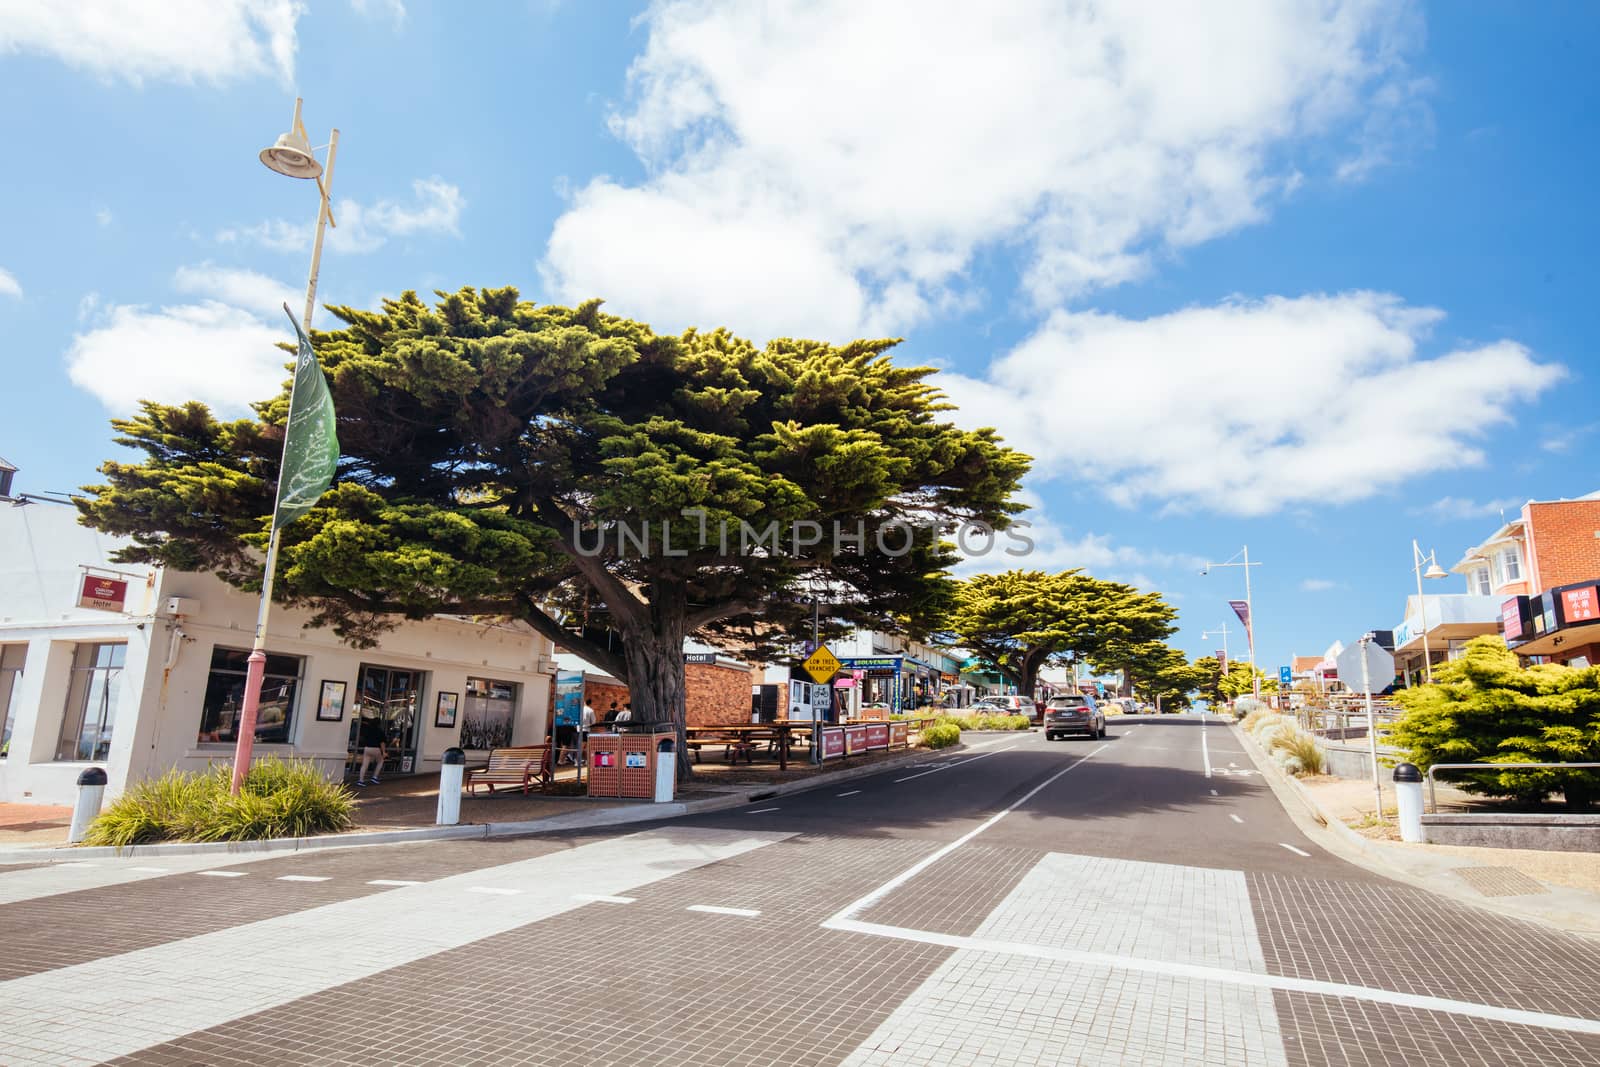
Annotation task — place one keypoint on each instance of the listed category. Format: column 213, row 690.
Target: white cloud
column 1451, row 507
column 834, row 168
column 1251, row 405
column 393, row 10
column 243, row 288
column 221, row 350
column 1318, row 585
column 435, row 209
column 184, row 41
column 103, row 217
column 9, row 286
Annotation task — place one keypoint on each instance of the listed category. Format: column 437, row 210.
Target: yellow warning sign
column 821, row 664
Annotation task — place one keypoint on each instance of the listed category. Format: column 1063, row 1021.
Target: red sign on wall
column 832, row 743
column 1580, row 605
column 104, row 594
column 1511, row 618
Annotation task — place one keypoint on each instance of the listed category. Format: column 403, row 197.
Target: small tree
column 1487, row 708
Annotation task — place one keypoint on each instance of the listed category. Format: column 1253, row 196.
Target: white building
column 152, row 677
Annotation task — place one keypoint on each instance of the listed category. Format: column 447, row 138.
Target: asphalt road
column 1142, row 899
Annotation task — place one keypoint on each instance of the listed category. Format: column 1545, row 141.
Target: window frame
column 10, row 681
column 291, row 717
column 110, row 692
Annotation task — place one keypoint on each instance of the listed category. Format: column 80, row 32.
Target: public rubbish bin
column 451, row 768
column 1408, row 798
column 91, row 790
column 666, row 769
column 622, row 763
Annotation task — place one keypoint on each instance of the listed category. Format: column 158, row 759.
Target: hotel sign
column 103, row 594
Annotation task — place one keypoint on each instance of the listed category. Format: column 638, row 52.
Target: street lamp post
column 1249, row 610
column 291, row 155
column 1433, row 571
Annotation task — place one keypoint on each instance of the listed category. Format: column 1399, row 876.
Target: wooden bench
column 733, row 746
column 520, row 767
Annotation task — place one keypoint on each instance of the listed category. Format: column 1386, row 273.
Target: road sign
column 1285, row 677
column 1379, row 667
column 821, row 664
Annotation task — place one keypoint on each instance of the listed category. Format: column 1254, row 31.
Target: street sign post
column 822, row 665
column 1367, row 668
column 1285, row 677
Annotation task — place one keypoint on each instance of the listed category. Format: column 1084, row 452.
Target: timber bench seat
column 520, row 767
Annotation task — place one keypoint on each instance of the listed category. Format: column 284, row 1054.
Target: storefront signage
column 700, row 657
column 1514, row 617
column 832, row 743
column 1580, row 605
column 872, row 663
column 103, row 594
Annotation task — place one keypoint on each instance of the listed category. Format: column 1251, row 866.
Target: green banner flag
column 311, row 443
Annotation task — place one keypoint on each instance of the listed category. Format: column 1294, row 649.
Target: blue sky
column 1307, row 277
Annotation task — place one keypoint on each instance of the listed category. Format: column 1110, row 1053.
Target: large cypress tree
column 615, row 489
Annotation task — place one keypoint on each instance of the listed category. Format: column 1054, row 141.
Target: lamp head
column 1435, row 571
column 291, row 156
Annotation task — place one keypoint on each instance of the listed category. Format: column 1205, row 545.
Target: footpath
column 403, row 810
column 1560, row 889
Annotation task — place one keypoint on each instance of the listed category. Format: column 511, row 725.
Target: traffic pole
column 1372, row 724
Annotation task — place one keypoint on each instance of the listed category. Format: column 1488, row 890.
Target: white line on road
column 149, row 870
column 1205, row 750
column 712, row 909
column 303, row 877
column 947, row 766
column 852, row 793
column 1296, row 851
column 1204, row 973
column 600, row 898
column 494, row 890
column 927, row 861
column 221, row 874
column 1234, row 817
column 392, row 882
column 758, row 811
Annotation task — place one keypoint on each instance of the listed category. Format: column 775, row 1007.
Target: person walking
column 374, row 745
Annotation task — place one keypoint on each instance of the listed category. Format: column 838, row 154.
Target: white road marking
column 758, row 811
column 712, row 909
column 221, row 874
column 392, row 881
column 852, row 793
column 1234, row 817
column 494, row 890
column 149, row 870
column 927, row 861
column 1214, row 793
column 1205, row 750
column 1296, row 851
column 52, row 879
column 118, row 1004
column 303, row 877
column 1228, row 975
column 947, row 766
column 601, row 898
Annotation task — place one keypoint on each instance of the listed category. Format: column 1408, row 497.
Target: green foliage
column 1018, row 621
column 1487, row 708
column 995, row 722
column 1218, row 689
column 941, row 735
column 960, row 722
column 277, row 799
column 490, row 445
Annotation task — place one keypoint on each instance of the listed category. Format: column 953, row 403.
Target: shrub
column 960, row 722
column 941, row 735
column 1254, row 716
column 277, row 799
column 1302, row 749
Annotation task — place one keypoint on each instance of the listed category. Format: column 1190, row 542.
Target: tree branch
column 604, row 658
column 712, row 612
column 616, row 595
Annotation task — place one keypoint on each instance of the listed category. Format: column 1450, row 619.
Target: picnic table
column 741, row 738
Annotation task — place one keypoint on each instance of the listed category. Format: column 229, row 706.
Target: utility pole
column 1248, row 616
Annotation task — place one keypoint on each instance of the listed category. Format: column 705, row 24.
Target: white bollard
column 91, row 790
column 666, row 770
column 451, row 768
column 1408, row 798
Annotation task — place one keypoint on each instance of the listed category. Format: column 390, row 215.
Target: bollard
column 666, row 770
column 1408, row 798
column 451, row 768
column 91, row 790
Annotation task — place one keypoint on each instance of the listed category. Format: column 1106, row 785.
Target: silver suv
column 1075, row 713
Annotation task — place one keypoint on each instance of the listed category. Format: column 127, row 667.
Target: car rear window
column 1068, row 702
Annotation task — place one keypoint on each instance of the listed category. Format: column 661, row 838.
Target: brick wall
column 1565, row 546
column 716, row 695
column 600, row 695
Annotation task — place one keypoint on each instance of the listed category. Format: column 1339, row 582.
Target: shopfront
column 1560, row 625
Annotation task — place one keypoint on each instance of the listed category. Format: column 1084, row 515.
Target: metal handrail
column 1434, row 803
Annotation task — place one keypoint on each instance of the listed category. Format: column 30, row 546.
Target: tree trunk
column 655, row 676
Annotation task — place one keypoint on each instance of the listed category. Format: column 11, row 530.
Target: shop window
column 490, row 711
column 224, row 700
column 92, row 699
column 11, row 659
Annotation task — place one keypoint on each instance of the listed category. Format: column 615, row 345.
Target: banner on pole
column 311, row 442
column 1241, row 608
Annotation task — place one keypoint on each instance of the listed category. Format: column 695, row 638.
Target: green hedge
column 278, row 799
column 941, row 735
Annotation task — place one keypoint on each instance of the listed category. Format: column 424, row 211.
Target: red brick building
column 715, row 693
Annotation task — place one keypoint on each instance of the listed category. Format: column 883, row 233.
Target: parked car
column 1073, row 714
column 1007, row 705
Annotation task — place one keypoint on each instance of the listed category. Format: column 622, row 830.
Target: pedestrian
column 374, row 744
column 626, row 714
column 585, row 724
column 611, row 715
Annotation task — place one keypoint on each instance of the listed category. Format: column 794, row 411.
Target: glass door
column 393, row 697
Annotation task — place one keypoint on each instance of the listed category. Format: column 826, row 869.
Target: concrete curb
column 1571, row 910
column 575, row 820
